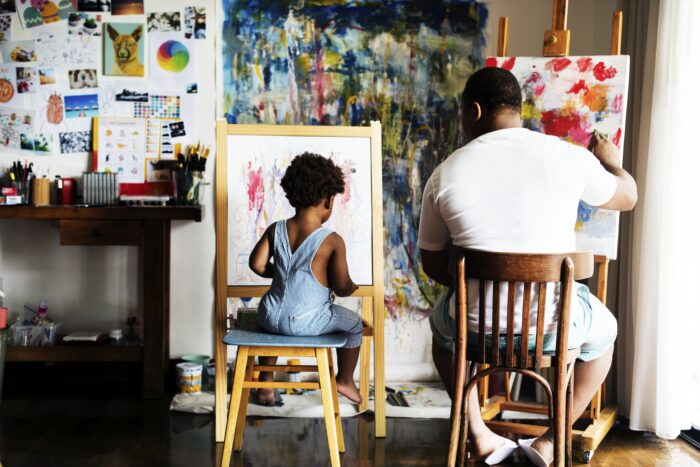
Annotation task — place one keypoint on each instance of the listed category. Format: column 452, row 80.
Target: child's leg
column 266, row 396
column 344, row 320
column 347, row 361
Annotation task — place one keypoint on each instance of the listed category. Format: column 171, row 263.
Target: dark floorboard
column 131, row 432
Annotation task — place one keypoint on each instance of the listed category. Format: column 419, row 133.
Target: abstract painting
column 256, row 165
column 570, row 97
column 401, row 62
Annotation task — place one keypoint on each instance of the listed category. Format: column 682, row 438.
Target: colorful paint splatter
column 570, row 97
column 403, row 63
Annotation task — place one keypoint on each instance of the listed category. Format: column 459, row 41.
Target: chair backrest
column 530, row 270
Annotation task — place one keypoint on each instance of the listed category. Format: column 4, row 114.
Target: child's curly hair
column 311, row 178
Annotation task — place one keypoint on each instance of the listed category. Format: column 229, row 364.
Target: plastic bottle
column 116, row 336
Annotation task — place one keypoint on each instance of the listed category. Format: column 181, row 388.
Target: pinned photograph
column 18, row 51
column 164, row 21
column 47, row 76
column 74, row 142
column 8, row 79
column 94, row 5
column 81, row 79
column 192, row 88
column 84, row 24
column 127, row 7
column 40, row 143
column 7, row 6
column 131, row 93
column 26, row 80
column 177, row 129
column 36, row 13
column 123, row 49
column 5, row 28
column 85, row 105
column 195, row 22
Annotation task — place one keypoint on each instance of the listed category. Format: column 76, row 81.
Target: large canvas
column 256, row 165
column 570, row 97
column 402, row 62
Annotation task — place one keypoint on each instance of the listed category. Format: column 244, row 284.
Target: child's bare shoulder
column 334, row 242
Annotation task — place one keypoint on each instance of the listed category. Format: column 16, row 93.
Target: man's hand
column 606, row 152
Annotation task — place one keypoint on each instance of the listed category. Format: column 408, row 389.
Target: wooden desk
column 145, row 227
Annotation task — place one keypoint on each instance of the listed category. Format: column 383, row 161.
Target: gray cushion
column 260, row 338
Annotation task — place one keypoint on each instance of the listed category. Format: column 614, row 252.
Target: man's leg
column 588, row 378
column 484, row 441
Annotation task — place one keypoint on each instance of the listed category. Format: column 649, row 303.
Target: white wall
column 96, row 287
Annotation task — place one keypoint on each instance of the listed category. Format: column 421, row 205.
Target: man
column 514, row 190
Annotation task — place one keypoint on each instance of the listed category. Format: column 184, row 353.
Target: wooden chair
column 528, row 269
column 253, row 343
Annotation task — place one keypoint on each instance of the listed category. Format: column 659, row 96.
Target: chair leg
column 460, row 370
column 559, row 421
column 234, row 405
column 327, row 397
column 569, row 419
column 336, row 405
column 462, row 454
column 243, row 409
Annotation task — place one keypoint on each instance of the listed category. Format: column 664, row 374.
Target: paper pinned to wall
column 14, row 122
column 8, row 85
column 570, row 97
column 172, row 60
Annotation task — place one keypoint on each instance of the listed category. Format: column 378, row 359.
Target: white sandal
column 502, row 453
column 531, row 453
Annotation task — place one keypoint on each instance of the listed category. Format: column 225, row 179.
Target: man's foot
column 540, row 451
column 491, row 448
column 349, row 390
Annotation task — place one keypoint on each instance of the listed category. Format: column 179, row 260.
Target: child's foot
column 349, row 390
column 491, row 448
column 264, row 396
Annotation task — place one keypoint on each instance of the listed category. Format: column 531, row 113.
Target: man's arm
column 436, row 265
column 625, row 196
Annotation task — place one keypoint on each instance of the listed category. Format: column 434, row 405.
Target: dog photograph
column 81, row 79
column 123, row 49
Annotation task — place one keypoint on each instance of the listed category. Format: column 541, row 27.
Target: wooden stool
column 251, row 344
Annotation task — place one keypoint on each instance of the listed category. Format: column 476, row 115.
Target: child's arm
column 338, row 274
column 259, row 260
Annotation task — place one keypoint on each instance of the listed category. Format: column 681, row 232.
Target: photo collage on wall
column 66, row 63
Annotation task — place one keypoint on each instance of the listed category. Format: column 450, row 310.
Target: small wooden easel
column 601, row 416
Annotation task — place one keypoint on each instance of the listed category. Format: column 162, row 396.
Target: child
column 309, row 263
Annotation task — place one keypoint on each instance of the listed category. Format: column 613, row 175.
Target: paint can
column 189, row 377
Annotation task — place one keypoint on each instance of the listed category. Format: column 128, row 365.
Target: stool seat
column 261, row 338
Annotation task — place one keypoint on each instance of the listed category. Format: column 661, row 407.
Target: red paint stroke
column 617, row 104
column 565, row 125
column 557, row 64
column 508, row 64
column 319, row 83
column 578, row 87
column 584, row 64
column 256, row 190
column 535, row 84
column 616, row 138
column 602, row 73
column 491, row 62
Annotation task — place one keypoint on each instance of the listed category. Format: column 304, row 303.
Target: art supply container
column 189, row 377
column 246, row 317
column 23, row 189
column 200, row 360
column 65, row 191
column 41, row 192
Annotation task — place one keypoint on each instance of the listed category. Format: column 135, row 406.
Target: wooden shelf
column 75, row 353
column 96, row 213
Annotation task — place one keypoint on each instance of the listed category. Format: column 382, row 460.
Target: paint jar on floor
column 189, row 377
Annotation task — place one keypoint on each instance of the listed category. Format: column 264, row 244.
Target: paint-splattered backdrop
column 336, row 62
column 345, row 62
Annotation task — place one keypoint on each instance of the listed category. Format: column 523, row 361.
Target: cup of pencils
column 189, row 175
column 21, row 176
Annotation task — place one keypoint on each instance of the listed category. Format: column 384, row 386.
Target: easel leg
column 379, row 381
column 365, row 354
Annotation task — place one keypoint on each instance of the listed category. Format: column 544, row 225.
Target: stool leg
column 327, row 397
column 336, row 406
column 234, row 406
column 243, row 409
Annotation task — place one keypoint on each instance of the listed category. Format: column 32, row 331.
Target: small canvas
column 256, row 164
column 569, row 97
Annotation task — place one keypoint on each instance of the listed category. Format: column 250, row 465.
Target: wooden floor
column 130, row 432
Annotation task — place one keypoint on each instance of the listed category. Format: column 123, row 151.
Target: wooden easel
column 372, row 296
column 602, row 417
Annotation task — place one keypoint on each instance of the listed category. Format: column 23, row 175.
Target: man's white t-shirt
column 516, row 191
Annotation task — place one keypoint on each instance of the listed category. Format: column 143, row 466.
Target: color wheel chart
column 173, row 56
